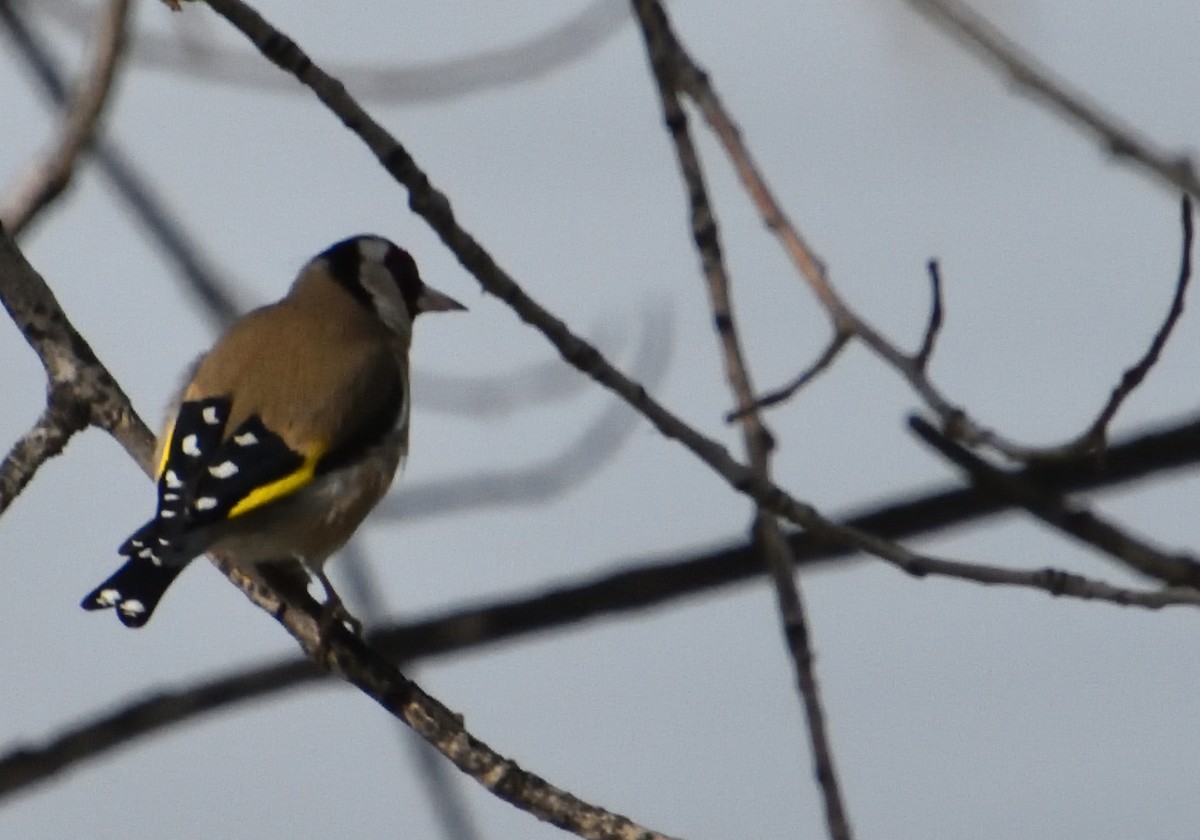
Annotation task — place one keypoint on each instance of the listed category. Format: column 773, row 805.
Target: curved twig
column 50, row 177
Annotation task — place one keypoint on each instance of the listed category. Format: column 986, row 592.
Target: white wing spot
column 210, row 415
column 172, row 480
column 190, row 446
column 136, row 543
column 162, row 541
column 225, row 469
column 108, row 597
column 146, row 553
column 132, row 607
column 170, row 497
column 167, row 514
column 245, row 439
column 206, row 503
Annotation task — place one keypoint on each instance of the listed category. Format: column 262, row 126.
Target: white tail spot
column 132, row 607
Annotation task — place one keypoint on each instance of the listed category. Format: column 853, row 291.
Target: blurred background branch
column 199, row 57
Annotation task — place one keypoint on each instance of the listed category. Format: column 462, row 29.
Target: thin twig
column 955, row 421
column 50, row 177
column 1071, row 518
column 1097, row 434
column 60, row 421
column 1119, row 139
column 656, row 29
column 73, row 372
column 832, row 350
column 214, row 294
column 921, row 359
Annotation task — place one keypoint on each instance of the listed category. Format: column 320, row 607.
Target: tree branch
column 1034, row 79
column 433, row 206
column 1071, row 518
column 213, row 293
column 48, row 179
column 640, row 584
column 776, row 554
column 71, row 364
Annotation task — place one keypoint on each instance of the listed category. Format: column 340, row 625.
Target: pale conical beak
column 431, row 300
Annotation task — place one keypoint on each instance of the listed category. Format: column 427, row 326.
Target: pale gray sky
column 955, row 710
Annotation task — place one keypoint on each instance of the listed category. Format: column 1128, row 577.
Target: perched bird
column 287, row 432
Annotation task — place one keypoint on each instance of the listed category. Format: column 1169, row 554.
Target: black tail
column 134, row 590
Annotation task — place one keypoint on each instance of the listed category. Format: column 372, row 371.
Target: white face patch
column 190, row 447
column 372, row 249
column 225, row 469
column 210, row 415
column 245, row 439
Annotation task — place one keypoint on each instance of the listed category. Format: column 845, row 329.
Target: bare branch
column 441, row 783
column 1034, row 79
column 60, row 421
column 538, row 56
column 434, row 207
column 1097, row 433
column 344, row 654
column 921, row 359
column 954, row 419
column 637, row 584
column 74, row 373
column 1071, row 518
column 202, row 280
column 49, row 178
column 1053, row 581
column 757, row 439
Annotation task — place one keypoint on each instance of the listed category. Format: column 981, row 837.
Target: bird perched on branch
column 288, row 431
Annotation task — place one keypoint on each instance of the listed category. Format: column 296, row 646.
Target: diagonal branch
column 956, row 422
column 639, row 585
column 49, row 178
column 656, row 30
column 71, row 365
column 340, row 652
column 1071, row 518
column 1119, row 139
column 159, row 222
column 434, row 207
